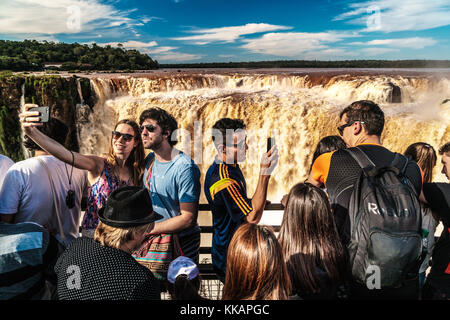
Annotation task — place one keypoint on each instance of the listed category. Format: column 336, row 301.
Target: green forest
column 31, row 55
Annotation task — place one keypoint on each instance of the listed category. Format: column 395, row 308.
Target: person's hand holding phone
column 269, row 161
column 34, row 116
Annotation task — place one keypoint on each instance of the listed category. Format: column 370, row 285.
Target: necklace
column 116, row 173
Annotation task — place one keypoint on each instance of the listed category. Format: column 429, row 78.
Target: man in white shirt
column 26, row 194
column 5, row 163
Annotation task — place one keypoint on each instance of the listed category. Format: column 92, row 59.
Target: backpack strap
column 396, row 162
column 361, row 157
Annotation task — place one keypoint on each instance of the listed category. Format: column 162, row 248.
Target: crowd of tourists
column 361, row 226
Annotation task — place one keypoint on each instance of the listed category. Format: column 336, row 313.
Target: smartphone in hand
column 270, row 143
column 44, row 113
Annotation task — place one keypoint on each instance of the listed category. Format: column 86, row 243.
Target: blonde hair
column 113, row 237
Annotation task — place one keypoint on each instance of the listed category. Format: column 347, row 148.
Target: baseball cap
column 182, row 265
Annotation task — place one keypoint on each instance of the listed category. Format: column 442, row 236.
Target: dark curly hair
column 328, row 144
column 164, row 119
column 445, row 148
column 223, row 126
column 367, row 111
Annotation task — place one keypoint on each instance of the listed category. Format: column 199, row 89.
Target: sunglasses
column 149, row 127
column 341, row 128
column 127, row 137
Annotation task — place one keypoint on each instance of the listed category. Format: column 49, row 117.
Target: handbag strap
column 177, row 245
column 147, row 184
column 149, row 175
column 55, row 201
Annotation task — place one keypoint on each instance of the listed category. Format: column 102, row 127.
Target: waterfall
column 82, row 112
column 80, row 93
column 302, row 109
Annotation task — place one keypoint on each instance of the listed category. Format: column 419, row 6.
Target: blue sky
column 174, row 31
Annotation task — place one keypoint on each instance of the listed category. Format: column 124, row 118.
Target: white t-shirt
column 26, row 191
column 5, row 163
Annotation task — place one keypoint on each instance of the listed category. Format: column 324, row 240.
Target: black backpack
column 385, row 224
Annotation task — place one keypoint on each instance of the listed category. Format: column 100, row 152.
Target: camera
column 70, row 199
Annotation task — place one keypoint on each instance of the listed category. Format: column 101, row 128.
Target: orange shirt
column 321, row 166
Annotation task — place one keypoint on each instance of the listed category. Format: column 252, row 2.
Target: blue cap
column 182, row 265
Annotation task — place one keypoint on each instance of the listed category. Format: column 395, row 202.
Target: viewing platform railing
column 206, row 269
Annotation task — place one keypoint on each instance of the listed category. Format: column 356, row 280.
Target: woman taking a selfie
column 122, row 166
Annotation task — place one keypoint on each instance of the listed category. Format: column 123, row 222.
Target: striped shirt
column 26, row 249
column 226, row 192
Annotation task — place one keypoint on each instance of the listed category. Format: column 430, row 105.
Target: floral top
column 99, row 193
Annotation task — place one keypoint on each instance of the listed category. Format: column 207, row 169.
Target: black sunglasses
column 348, row 124
column 127, row 137
column 149, row 127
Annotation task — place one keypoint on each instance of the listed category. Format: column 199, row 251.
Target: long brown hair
column 425, row 157
column 135, row 160
column 309, row 239
column 255, row 266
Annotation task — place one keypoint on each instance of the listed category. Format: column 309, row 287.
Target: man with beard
column 173, row 180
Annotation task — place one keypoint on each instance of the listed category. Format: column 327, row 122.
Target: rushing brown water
column 298, row 108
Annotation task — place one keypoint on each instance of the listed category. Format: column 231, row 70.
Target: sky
column 193, row 31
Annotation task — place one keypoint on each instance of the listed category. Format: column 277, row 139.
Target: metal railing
column 206, row 269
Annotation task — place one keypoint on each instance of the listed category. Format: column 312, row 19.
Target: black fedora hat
column 128, row 207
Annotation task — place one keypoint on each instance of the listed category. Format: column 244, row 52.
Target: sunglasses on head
column 348, row 124
column 149, row 127
column 127, row 137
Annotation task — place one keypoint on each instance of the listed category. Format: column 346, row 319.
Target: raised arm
column 268, row 163
column 30, row 122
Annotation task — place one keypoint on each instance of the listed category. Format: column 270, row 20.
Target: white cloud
column 296, row 44
column 49, row 17
column 398, row 15
column 160, row 50
column 160, row 53
column 228, row 34
column 176, row 57
column 377, row 51
column 411, row 43
column 131, row 44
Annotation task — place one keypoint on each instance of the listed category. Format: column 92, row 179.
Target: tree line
column 32, row 55
column 318, row 64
